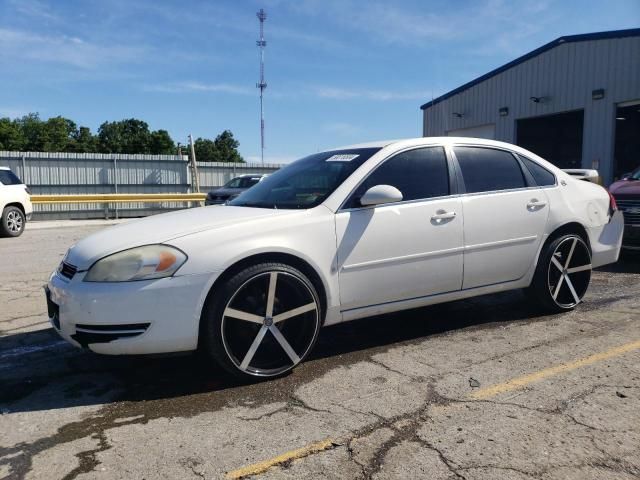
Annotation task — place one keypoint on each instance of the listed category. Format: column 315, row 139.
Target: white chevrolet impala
column 336, row 236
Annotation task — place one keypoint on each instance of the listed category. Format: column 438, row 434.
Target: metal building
column 574, row 101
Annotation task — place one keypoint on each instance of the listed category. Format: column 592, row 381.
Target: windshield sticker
column 342, row 158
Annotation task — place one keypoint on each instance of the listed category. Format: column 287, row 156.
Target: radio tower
column 262, row 43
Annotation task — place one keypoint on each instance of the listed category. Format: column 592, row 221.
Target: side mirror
column 626, row 175
column 380, row 194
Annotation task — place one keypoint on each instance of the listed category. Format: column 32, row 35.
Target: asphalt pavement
column 486, row 388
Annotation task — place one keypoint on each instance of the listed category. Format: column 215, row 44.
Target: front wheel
column 563, row 274
column 262, row 322
column 12, row 222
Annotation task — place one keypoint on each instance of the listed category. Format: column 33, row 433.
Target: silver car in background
column 233, row 188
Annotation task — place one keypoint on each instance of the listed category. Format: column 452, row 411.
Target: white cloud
column 194, row 87
column 342, row 128
column 34, row 8
column 336, row 93
column 383, row 21
column 15, row 112
column 19, row 44
column 270, row 159
column 419, row 25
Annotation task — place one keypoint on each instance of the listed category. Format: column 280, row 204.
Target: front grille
column 67, row 270
column 630, row 209
column 87, row 334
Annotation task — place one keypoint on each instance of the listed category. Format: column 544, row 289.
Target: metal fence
column 86, row 173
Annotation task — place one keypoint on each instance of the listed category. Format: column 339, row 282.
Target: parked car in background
column 233, row 188
column 336, row 236
column 15, row 204
column 627, row 195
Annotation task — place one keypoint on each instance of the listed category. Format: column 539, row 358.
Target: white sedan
column 338, row 235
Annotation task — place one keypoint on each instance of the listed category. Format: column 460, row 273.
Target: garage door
column 481, row 131
column 557, row 137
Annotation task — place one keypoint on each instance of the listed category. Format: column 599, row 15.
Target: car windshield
column 305, row 183
column 242, row 182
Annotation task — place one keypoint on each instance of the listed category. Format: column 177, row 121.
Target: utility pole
column 262, row 43
column 194, row 165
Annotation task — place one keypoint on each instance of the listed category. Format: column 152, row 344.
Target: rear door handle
column 535, row 204
column 442, row 215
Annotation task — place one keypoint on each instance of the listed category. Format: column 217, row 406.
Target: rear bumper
column 606, row 241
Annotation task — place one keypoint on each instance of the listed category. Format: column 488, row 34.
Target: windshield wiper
column 253, row 205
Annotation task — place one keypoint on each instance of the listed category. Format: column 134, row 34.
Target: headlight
column 140, row 263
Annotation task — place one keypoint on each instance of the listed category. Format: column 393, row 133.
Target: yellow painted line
column 524, row 380
column 262, row 467
column 483, row 393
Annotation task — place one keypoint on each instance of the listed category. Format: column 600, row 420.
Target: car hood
column 625, row 187
column 162, row 229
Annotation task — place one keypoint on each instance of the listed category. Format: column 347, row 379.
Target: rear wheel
column 262, row 322
column 12, row 222
column 563, row 273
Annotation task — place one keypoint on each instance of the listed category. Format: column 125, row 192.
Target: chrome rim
column 569, row 272
column 270, row 323
column 14, row 221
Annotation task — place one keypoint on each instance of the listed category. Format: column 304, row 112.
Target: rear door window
column 541, row 175
column 488, row 169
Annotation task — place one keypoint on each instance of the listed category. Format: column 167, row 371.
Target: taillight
column 613, row 206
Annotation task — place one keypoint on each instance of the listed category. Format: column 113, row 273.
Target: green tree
column 58, row 133
column 162, row 143
column 84, row 141
column 227, row 147
column 125, row 136
column 206, row 150
column 36, row 136
column 11, row 137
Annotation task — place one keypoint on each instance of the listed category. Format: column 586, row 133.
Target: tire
column 12, row 222
column 242, row 335
column 562, row 275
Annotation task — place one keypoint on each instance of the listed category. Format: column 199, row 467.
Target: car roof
column 5, row 168
column 417, row 141
column 251, row 175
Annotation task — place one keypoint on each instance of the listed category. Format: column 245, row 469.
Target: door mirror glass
column 380, row 194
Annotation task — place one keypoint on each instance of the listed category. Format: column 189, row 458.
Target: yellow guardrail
column 120, row 198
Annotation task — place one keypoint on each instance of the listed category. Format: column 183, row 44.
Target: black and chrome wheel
column 563, row 273
column 12, row 222
column 263, row 322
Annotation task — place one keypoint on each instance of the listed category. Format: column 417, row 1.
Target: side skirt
column 417, row 302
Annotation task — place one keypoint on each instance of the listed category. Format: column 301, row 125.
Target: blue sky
column 338, row 71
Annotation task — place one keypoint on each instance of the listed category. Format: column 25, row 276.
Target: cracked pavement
column 392, row 393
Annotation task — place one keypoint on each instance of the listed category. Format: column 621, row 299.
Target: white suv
column 15, row 204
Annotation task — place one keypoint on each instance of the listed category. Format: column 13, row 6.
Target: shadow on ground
column 38, row 371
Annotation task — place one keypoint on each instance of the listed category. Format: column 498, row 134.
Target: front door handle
column 442, row 215
column 535, row 204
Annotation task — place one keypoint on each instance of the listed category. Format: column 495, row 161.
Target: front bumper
column 153, row 316
column 631, row 238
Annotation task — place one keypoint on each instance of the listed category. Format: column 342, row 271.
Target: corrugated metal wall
column 566, row 75
column 77, row 173
column 216, row 174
